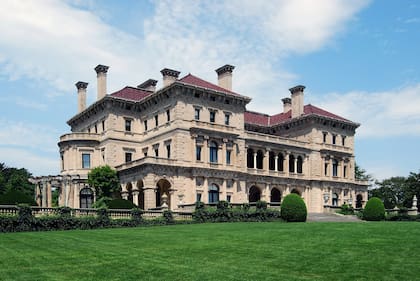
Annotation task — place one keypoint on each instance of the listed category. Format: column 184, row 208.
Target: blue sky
column 358, row 59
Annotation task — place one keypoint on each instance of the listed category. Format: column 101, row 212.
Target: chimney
column 169, row 76
column 81, row 95
column 224, row 76
column 101, row 71
column 148, row 85
column 287, row 104
column 297, row 100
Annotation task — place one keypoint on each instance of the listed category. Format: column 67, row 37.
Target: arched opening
column 295, row 191
column 335, row 199
column 299, row 164
column 86, row 198
column 291, row 163
column 275, row 196
column 162, row 193
column 250, row 158
column 335, row 168
column 260, row 157
column 140, row 202
column 213, row 193
column 359, row 201
column 130, row 192
column 213, row 152
column 254, row 194
column 280, row 161
column 271, row 161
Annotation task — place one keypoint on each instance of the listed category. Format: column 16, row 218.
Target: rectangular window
column 145, row 125
column 324, row 134
column 156, row 152
column 103, row 125
column 343, row 140
column 86, row 161
column 334, row 138
column 128, row 157
column 145, row 154
column 326, row 169
column 168, row 115
column 228, row 198
column 156, row 120
column 127, row 125
column 168, row 151
column 198, row 197
column 212, row 116
column 228, row 154
column 198, row 153
column 227, row 119
column 345, row 172
column 96, row 129
column 196, row 113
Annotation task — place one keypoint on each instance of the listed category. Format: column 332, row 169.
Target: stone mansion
column 192, row 140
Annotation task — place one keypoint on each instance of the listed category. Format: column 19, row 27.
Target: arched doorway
column 275, row 195
column 140, row 202
column 213, row 193
column 335, row 199
column 86, row 198
column 359, row 201
column 162, row 188
column 254, row 194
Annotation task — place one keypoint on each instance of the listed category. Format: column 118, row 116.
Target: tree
column 413, row 188
column 105, row 181
column 391, row 191
column 15, row 179
column 361, row 174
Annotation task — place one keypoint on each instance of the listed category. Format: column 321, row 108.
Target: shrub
column 261, row 205
column 293, row 209
column 168, row 217
column 374, row 210
column 25, row 218
column 15, row 197
column 346, row 209
column 120, row 204
column 136, row 214
column 63, row 211
column 199, row 205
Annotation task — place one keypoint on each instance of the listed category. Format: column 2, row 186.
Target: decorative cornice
column 147, row 83
column 101, row 68
column 170, row 72
column 81, row 85
column 298, row 88
column 287, row 100
column 224, row 69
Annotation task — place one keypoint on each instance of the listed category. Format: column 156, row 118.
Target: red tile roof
column 131, row 93
column 195, row 81
column 266, row 120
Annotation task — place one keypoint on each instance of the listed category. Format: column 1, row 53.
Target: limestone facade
column 193, row 140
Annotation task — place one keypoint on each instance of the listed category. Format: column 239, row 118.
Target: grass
column 229, row 251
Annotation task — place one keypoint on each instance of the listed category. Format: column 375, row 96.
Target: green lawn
column 228, row 251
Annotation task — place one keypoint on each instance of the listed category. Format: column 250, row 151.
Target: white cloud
column 390, row 113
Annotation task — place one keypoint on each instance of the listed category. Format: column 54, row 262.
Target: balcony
column 79, row 137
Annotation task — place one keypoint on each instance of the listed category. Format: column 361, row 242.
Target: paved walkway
column 331, row 218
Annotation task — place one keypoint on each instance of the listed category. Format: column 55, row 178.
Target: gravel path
column 321, row 217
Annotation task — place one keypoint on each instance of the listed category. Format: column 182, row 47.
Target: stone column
column 255, row 160
column 136, row 197
column 276, row 164
column 330, row 168
column 44, row 194
column 149, row 198
column 286, row 163
column 295, row 165
column 49, row 195
column 266, row 160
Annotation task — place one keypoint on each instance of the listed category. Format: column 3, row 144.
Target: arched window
column 335, row 168
column 275, row 195
column 335, row 199
column 359, row 200
column 86, row 198
column 299, row 164
column 254, row 194
column 250, row 158
column 213, row 193
column 213, row 152
column 291, row 163
column 280, row 161
column 260, row 157
column 271, row 161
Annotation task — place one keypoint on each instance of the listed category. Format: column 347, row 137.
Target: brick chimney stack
column 169, row 76
column 287, row 104
column 101, row 71
column 224, row 76
column 297, row 100
column 148, row 85
column 81, row 95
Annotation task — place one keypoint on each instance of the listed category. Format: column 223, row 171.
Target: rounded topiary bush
column 120, row 204
column 293, row 209
column 374, row 210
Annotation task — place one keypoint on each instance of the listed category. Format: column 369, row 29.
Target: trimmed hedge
column 293, row 208
column 120, row 204
column 374, row 210
column 14, row 197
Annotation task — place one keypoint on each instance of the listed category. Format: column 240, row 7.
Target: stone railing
column 113, row 213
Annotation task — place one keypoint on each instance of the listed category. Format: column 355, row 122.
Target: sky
column 359, row 59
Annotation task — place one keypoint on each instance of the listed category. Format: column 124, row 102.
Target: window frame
column 86, row 164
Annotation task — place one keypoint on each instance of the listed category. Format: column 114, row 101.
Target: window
column 324, row 135
column 145, row 125
column 212, row 116
column 343, row 140
column 96, row 129
column 156, row 120
column 213, row 193
column 103, row 125
column 228, row 154
column 128, row 157
column 89, row 130
column 335, row 168
column 168, row 115
column 86, row 198
column 127, row 125
column 198, row 153
column 86, row 161
column 334, row 139
column 62, row 161
column 196, row 113
column 291, row 164
column 198, row 197
column 227, row 118
column 299, row 164
column 345, row 172
column 326, row 169
column 213, row 152
column 335, row 199
column 168, row 151
column 156, row 151
column 228, row 198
